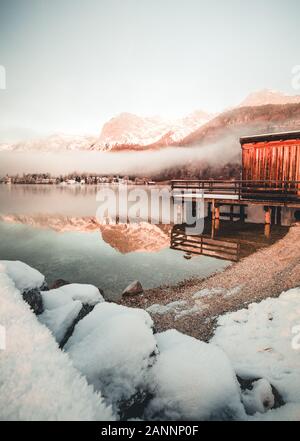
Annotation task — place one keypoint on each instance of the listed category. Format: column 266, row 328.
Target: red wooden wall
column 273, row 160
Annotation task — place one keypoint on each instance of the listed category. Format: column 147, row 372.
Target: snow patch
column 56, row 298
column 198, row 307
column 112, row 347
column 37, row 380
column 258, row 340
column 260, row 398
column 178, row 308
column 24, row 277
column 208, row 293
column 167, row 309
column 193, row 380
column 59, row 320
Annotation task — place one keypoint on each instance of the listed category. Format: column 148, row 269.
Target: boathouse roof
column 283, row 136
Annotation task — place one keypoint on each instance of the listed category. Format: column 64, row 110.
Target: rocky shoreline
column 132, row 368
column 192, row 306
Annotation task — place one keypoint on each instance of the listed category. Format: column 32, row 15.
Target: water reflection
column 54, row 229
column 125, row 238
column 226, row 240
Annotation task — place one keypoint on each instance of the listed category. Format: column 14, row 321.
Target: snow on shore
column 179, row 308
column 59, row 320
column 113, row 347
column 37, row 380
column 88, row 294
column 167, row 376
column 23, row 275
column 261, row 341
column 63, row 305
column 193, row 381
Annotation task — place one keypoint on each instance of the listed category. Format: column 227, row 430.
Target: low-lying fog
column 137, row 163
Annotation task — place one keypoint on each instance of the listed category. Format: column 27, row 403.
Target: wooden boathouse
column 274, row 160
column 270, row 177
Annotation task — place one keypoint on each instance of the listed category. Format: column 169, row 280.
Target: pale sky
column 73, row 64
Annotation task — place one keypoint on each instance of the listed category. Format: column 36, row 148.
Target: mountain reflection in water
column 55, row 230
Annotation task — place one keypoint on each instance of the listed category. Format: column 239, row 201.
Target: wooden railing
column 244, row 189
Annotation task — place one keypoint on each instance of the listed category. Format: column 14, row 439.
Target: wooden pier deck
column 240, row 192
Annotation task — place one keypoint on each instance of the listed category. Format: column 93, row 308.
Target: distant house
column 273, row 159
column 140, row 181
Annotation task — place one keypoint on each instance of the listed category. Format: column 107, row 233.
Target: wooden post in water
column 273, row 215
column 179, row 219
column 268, row 212
column 268, row 231
column 242, row 213
column 212, row 229
column 213, row 210
column 278, row 216
column 209, row 211
column 194, row 208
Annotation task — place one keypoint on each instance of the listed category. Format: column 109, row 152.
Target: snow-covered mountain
column 132, row 132
column 128, row 130
column 225, row 130
column 53, row 143
column 267, row 96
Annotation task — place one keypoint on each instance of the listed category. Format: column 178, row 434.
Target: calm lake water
column 53, row 229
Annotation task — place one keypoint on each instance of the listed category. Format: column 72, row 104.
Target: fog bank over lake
column 138, row 163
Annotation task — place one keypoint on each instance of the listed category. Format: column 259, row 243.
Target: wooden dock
column 240, row 192
column 272, row 195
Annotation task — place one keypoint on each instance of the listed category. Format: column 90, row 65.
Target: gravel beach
column 193, row 306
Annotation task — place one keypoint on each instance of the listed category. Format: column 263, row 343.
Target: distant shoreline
column 78, row 184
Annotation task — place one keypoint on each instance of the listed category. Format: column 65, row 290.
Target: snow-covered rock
column 34, row 299
column 113, row 347
column 87, row 294
column 260, row 398
column 59, row 320
column 192, row 380
column 37, row 380
column 167, row 376
column 64, row 307
column 24, row 277
column 261, row 342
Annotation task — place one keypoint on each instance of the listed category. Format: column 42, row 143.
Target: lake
column 53, row 229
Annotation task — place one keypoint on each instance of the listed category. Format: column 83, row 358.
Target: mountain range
column 263, row 111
